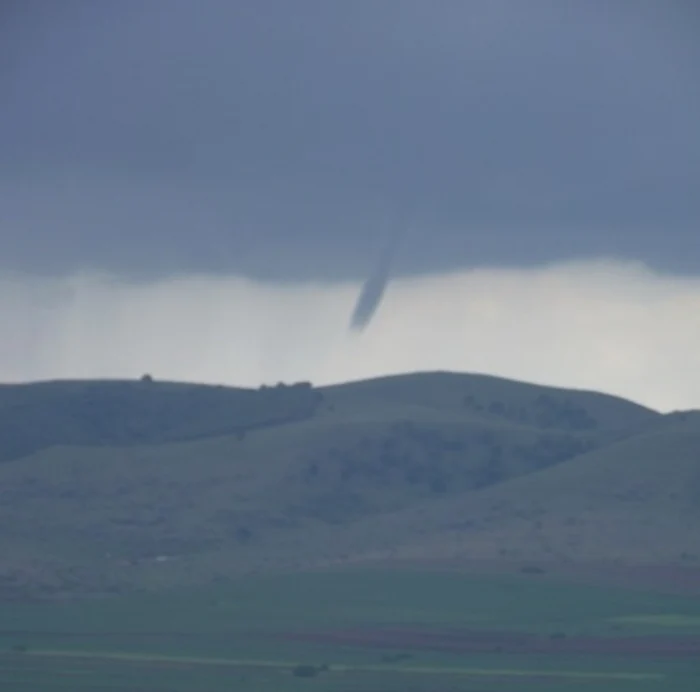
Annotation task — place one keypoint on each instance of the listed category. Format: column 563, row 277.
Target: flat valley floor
column 365, row 630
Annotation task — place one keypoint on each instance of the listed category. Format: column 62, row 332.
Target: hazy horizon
column 614, row 327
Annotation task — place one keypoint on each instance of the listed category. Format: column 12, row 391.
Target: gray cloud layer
column 272, row 137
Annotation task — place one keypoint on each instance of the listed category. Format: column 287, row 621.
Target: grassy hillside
column 111, row 485
column 108, row 413
column 636, row 500
column 492, row 398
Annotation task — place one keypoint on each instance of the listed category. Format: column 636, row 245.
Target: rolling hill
column 108, row 486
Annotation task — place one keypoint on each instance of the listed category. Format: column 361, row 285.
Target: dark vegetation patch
column 545, row 411
column 356, row 475
column 304, row 670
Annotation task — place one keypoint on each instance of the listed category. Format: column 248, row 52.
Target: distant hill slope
column 104, row 413
column 492, row 398
column 40, row 415
column 122, row 484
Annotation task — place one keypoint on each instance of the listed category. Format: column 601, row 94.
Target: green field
column 234, row 636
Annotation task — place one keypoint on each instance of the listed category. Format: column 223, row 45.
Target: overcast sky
column 189, row 154
column 279, row 138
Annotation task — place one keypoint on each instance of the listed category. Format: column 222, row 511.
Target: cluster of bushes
column 546, row 411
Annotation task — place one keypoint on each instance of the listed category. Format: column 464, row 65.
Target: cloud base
column 604, row 325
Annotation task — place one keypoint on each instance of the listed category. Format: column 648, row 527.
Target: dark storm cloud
column 271, row 137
